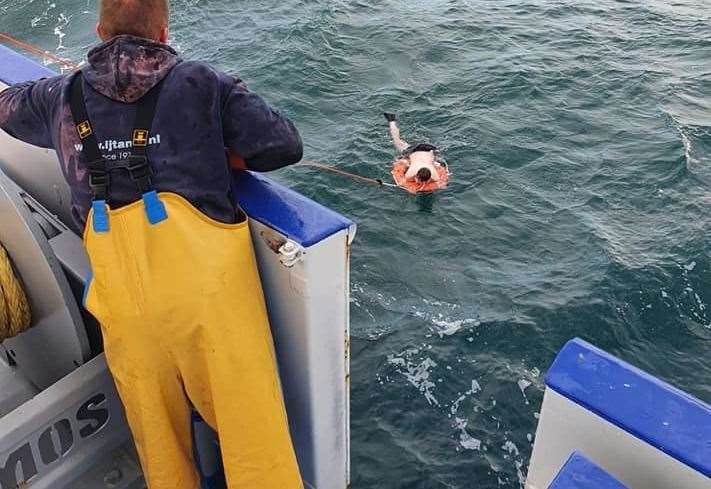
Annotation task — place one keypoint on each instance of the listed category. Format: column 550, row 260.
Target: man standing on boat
column 141, row 137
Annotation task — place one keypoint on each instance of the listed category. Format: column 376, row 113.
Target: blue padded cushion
column 580, row 473
column 642, row 405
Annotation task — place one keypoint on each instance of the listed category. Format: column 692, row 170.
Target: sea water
column 578, row 134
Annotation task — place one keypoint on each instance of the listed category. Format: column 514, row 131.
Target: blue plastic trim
column 87, row 284
column 644, row 406
column 580, row 473
column 155, row 208
column 286, row 211
column 17, row 68
column 101, row 216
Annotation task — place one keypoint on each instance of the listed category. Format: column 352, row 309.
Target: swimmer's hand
column 390, row 117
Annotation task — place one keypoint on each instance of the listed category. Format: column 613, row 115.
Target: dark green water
column 579, row 135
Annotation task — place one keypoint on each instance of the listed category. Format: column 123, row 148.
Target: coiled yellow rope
column 15, row 316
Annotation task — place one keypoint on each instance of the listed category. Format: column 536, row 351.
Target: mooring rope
column 15, row 315
column 333, row 169
column 39, row 52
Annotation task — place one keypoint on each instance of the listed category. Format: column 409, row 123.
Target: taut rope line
column 39, row 52
column 333, row 169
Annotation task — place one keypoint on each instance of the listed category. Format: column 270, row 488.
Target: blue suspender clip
column 101, row 217
column 155, row 208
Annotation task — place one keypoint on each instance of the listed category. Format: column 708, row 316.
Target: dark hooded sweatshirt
column 200, row 113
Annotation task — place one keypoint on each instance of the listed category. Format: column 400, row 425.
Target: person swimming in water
column 420, row 160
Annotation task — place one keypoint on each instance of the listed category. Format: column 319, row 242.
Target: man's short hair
column 140, row 18
column 424, row 175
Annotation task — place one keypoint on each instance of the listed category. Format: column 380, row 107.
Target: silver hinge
column 290, row 253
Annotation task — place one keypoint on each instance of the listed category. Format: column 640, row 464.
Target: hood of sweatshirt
column 127, row 67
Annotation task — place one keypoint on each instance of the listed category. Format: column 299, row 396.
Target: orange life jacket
column 414, row 186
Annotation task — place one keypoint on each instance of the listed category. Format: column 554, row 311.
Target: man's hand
column 236, row 161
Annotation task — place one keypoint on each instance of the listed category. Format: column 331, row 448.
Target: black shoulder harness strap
column 98, row 174
column 137, row 165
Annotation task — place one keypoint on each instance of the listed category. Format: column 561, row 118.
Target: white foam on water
column 510, row 448
column 448, row 327
column 376, row 334
column 469, row 443
column 417, row 374
column 455, row 405
column 699, row 308
column 41, row 20
column 466, row 441
column 696, row 161
column 524, row 384
column 687, row 144
column 445, row 324
column 475, row 389
column 520, row 474
column 62, row 22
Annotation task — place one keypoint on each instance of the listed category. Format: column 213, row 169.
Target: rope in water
column 15, row 315
column 39, row 52
column 333, row 169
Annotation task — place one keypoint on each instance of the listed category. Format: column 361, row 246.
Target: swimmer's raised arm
column 399, row 144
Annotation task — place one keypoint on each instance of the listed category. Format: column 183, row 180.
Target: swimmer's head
column 424, row 175
column 424, row 147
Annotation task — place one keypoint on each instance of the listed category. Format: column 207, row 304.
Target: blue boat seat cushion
column 636, row 402
column 580, row 473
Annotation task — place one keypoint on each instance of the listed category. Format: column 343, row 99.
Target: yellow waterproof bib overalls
column 181, row 307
